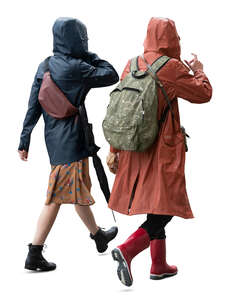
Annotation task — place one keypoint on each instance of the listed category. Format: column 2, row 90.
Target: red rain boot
column 160, row 269
column 124, row 254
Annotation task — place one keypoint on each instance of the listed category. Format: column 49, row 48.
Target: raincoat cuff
column 94, row 59
column 199, row 71
column 23, row 146
column 113, row 150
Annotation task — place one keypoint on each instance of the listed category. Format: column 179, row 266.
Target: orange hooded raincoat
column 154, row 181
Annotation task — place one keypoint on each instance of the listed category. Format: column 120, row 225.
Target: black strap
column 164, row 114
column 88, row 131
column 93, row 149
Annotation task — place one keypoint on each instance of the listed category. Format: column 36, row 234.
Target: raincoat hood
column 162, row 38
column 70, row 37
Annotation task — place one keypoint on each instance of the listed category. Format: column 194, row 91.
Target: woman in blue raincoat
column 75, row 71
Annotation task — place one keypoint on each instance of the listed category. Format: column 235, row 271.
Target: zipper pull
column 143, row 111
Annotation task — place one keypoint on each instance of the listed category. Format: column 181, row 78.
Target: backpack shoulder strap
column 159, row 63
column 152, row 72
column 134, row 64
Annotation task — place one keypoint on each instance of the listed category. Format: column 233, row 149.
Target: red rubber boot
column 160, row 269
column 124, row 254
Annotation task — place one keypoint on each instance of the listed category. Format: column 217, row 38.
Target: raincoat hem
column 153, row 211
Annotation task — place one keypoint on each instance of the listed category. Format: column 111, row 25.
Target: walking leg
column 45, row 222
column 35, row 260
column 101, row 237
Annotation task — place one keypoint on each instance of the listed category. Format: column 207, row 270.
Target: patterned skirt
column 70, row 183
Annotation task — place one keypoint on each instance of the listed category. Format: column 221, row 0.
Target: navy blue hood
column 70, row 37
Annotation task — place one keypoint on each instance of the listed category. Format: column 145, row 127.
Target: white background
column 203, row 248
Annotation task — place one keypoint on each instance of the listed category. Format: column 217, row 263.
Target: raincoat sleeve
column 194, row 88
column 98, row 72
column 32, row 116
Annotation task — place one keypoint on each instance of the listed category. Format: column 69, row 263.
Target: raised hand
column 194, row 64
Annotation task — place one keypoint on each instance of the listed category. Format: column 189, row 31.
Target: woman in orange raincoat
column 153, row 182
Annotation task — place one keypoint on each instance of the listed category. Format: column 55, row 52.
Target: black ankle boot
column 102, row 238
column 36, row 261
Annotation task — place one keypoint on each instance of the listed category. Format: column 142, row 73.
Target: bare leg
column 45, row 222
column 87, row 217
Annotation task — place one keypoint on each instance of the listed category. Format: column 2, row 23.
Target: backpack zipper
column 131, row 89
column 126, row 88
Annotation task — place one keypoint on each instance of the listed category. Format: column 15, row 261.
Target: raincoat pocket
column 172, row 153
column 173, row 139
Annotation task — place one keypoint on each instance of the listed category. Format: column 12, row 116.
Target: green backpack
column 131, row 119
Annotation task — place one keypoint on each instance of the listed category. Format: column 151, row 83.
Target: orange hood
column 162, row 38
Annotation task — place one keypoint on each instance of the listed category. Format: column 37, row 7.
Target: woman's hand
column 112, row 161
column 23, row 155
column 194, row 64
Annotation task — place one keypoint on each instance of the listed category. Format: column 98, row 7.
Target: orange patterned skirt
column 70, row 183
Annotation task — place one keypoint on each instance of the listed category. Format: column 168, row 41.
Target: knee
column 53, row 205
column 160, row 235
column 76, row 206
